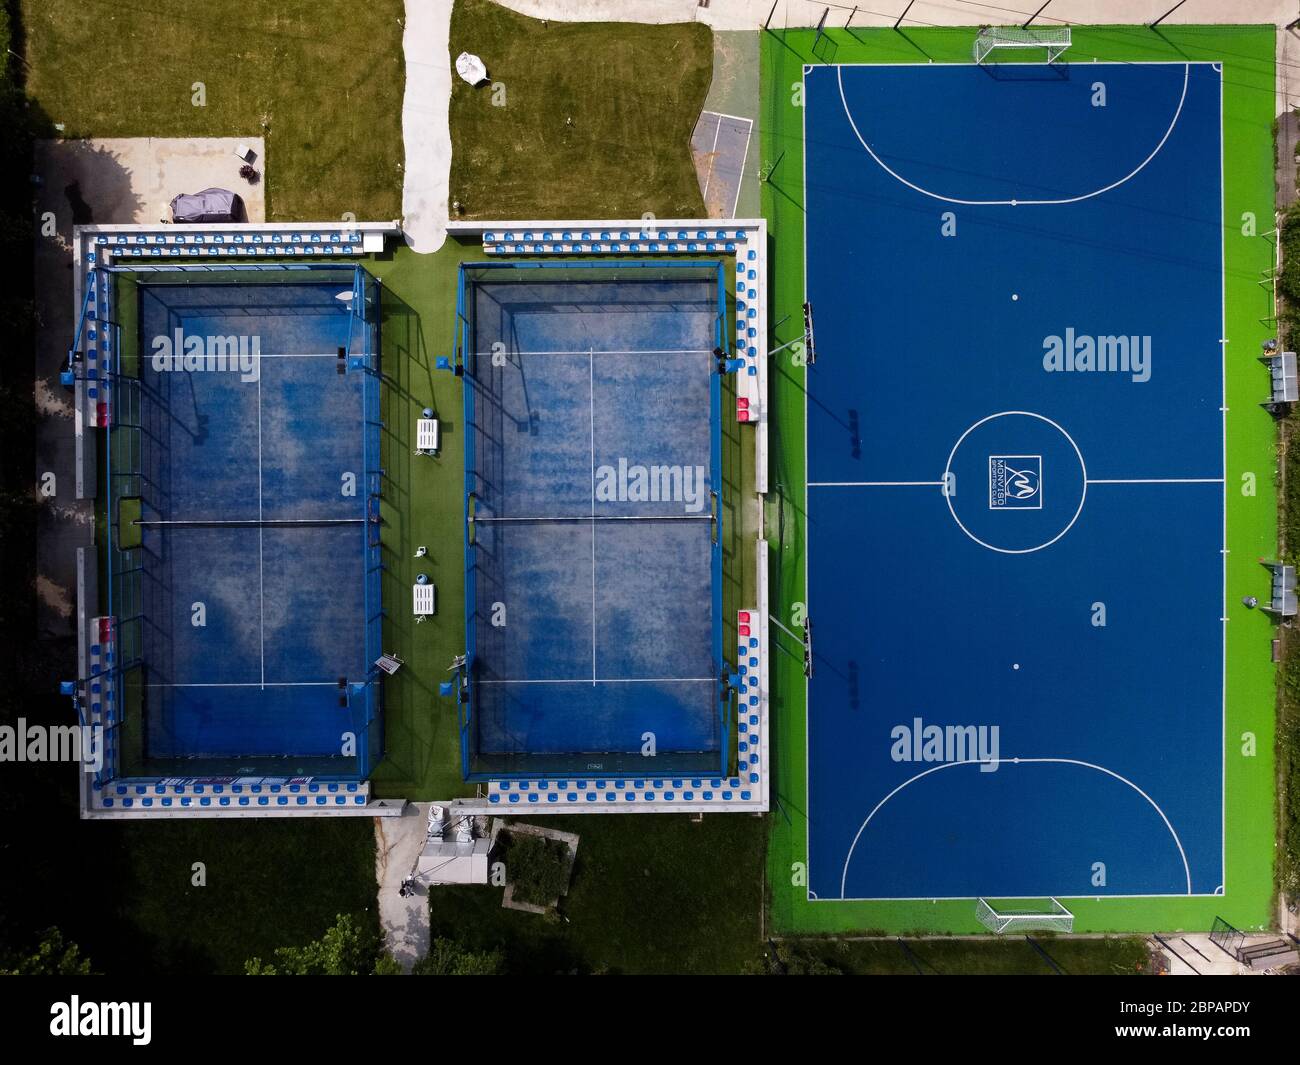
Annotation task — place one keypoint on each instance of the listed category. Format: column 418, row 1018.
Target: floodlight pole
column 1025, row 25
column 850, row 18
column 899, row 21
column 1153, row 25
column 770, row 14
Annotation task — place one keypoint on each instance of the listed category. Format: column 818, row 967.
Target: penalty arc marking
column 848, row 858
column 1187, row 73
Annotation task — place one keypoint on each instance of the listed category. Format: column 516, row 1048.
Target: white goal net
column 1054, row 919
column 1054, row 40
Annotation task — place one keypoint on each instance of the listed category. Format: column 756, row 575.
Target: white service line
column 875, row 484
column 254, row 684
column 608, row 680
column 589, row 352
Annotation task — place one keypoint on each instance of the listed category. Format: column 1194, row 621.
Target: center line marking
column 591, row 395
column 261, row 578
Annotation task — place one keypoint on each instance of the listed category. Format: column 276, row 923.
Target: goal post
column 1056, row 918
column 1052, row 39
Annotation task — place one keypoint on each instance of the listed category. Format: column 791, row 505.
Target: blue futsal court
column 248, row 434
column 1015, row 468
column 593, row 559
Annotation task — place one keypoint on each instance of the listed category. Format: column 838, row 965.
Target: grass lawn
column 270, row 883
column 633, row 94
column 124, row 891
column 650, row 894
column 321, row 80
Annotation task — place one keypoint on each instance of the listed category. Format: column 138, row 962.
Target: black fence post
column 1153, row 25
column 1025, row 24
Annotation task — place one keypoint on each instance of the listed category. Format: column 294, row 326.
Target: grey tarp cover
column 210, row 205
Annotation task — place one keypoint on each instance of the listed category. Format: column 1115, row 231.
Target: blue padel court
column 593, row 561
column 244, row 463
column 1015, row 468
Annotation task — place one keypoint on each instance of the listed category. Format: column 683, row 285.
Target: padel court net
column 592, row 549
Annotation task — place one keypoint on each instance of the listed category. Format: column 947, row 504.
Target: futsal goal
column 1056, row 918
column 1052, row 39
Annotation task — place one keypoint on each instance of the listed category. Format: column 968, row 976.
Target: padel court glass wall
column 593, row 555
column 240, row 531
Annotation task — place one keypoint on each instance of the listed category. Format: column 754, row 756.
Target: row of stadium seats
column 99, row 707
column 166, row 794
column 612, row 241
column 173, row 243
column 667, row 794
column 97, row 344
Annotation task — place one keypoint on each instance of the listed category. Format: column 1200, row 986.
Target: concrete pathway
column 405, row 921
column 1194, row 954
column 426, row 128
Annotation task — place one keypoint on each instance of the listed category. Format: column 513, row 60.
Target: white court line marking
column 261, row 577
column 609, row 680
column 591, row 398
column 273, row 684
column 1156, row 480
column 1187, row 74
column 734, row 118
column 1014, row 761
column 744, row 160
column 875, row 484
column 589, row 352
column 294, row 355
column 713, row 155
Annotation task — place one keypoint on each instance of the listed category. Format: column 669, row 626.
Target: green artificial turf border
column 1247, row 54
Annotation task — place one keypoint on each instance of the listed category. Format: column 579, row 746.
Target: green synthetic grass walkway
column 1247, row 54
